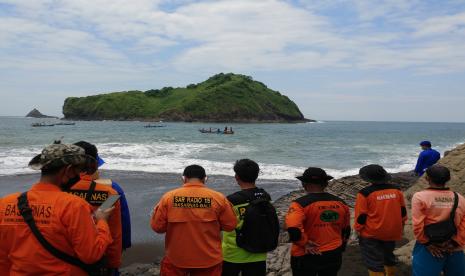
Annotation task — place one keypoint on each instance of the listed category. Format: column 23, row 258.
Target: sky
column 397, row 60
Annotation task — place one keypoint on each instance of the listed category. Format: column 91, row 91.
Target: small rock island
column 222, row 98
column 37, row 114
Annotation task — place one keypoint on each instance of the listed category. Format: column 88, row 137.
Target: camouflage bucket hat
column 57, row 155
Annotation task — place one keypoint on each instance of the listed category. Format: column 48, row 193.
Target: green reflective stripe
column 231, row 252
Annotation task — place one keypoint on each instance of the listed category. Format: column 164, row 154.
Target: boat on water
column 65, row 124
column 42, row 125
column 154, row 126
column 215, row 131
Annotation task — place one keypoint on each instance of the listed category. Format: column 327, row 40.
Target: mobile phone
column 111, row 200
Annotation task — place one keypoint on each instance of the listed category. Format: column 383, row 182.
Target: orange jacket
column 192, row 218
column 100, row 194
column 64, row 220
column 434, row 205
column 380, row 212
column 318, row 217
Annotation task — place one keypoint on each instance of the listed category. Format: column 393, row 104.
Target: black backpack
column 260, row 228
column 443, row 231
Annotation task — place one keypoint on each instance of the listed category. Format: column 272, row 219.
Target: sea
column 282, row 150
column 147, row 162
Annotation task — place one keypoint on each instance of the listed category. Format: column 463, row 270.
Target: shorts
column 377, row 254
column 168, row 269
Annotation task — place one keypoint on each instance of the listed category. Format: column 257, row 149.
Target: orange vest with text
column 193, row 217
column 380, row 212
column 64, row 220
column 98, row 196
column 322, row 218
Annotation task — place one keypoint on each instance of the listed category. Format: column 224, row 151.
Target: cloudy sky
column 397, row 60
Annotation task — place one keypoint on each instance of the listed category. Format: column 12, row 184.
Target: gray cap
column 57, row 155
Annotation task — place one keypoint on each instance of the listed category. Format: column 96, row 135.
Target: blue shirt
column 125, row 216
column 426, row 159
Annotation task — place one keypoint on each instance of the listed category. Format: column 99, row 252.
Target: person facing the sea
column 380, row 216
column 65, row 222
column 438, row 216
column 238, row 260
column 95, row 191
column 125, row 213
column 319, row 227
column 193, row 217
column 427, row 158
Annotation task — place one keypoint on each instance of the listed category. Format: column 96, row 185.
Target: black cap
column 374, row 174
column 314, row 175
column 194, row 171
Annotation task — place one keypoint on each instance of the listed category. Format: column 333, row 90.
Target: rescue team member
column 125, row 215
column 236, row 259
column 91, row 189
column 192, row 218
column 431, row 206
column 319, row 227
column 380, row 216
column 427, row 158
column 64, row 220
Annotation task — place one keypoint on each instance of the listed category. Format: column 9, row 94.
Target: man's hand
column 312, row 248
column 103, row 214
column 436, row 250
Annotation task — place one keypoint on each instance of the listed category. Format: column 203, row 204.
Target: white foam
column 172, row 157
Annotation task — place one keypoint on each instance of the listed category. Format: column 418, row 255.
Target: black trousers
column 327, row 264
column 247, row 269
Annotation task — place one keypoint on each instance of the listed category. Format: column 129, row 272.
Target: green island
column 222, row 98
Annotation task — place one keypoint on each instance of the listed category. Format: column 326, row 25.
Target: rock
column 36, row 114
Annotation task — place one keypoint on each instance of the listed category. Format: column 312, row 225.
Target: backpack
column 443, row 231
column 260, row 228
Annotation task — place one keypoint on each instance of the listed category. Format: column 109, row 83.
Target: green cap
column 57, row 155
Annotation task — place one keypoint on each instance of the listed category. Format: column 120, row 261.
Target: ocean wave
column 167, row 157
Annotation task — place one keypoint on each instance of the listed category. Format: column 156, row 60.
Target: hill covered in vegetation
column 221, row 98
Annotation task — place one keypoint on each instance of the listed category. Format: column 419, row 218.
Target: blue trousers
column 425, row 264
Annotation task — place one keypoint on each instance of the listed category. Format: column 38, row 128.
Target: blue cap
column 100, row 161
column 426, row 144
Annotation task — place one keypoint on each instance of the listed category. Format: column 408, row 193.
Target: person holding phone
column 96, row 191
column 66, row 222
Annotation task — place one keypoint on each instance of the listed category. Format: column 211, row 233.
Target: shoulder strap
column 91, row 191
column 26, row 213
column 454, row 209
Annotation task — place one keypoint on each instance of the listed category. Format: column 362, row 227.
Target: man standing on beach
column 380, row 216
column 238, row 260
column 95, row 191
column 433, row 209
column 193, row 217
column 319, row 227
column 427, row 158
column 64, row 221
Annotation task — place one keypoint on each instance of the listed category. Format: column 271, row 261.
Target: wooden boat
column 42, row 125
column 154, row 126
